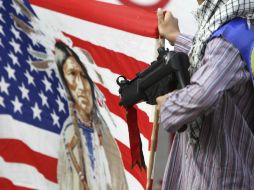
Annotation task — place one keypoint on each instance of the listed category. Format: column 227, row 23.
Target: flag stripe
column 115, row 61
column 93, row 31
column 23, row 154
column 140, row 47
column 117, row 16
column 132, row 181
column 39, row 140
column 25, row 175
column 7, row 184
column 126, row 156
column 117, row 127
column 35, row 137
column 46, row 166
column 144, row 124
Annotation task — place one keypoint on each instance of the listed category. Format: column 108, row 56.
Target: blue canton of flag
column 28, row 95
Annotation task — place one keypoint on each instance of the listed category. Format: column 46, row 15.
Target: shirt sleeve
column 183, row 43
column 221, row 69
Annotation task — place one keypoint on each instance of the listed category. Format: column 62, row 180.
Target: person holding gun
column 217, row 150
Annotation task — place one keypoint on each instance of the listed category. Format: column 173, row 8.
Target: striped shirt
column 221, row 91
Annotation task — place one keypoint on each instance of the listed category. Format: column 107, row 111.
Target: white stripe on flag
column 23, row 174
column 122, row 128
column 133, row 182
column 39, row 140
column 118, row 128
column 101, row 35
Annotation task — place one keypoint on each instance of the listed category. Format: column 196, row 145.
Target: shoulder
column 236, row 33
column 219, row 45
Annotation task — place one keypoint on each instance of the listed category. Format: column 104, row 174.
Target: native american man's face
column 78, row 85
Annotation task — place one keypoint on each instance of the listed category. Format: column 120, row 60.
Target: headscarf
column 210, row 15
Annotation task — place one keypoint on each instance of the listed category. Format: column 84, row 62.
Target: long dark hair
column 63, row 52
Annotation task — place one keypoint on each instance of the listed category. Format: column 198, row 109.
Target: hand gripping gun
column 167, row 73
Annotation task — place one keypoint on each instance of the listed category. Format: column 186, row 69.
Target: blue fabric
column 237, row 32
column 87, row 132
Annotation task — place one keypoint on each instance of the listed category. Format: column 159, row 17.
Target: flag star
column 30, row 49
column 10, row 71
column 15, row 46
column 30, row 79
column 49, row 73
column 1, row 18
column 32, row 68
column 17, row 8
column 47, row 84
column 55, row 119
column 36, row 111
column 61, row 91
column 4, row 86
column 17, row 105
column 34, row 38
column 1, row 30
column 1, row 43
column 29, row 60
column 2, row 101
column 15, row 32
column 44, row 99
column 60, row 104
column 14, row 59
column 24, row 92
column 1, row 5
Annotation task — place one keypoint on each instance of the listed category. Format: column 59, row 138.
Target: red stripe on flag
column 145, row 126
column 6, row 184
column 116, row 62
column 134, row 20
column 140, row 175
column 16, row 151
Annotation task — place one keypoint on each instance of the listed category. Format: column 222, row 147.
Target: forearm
column 183, row 43
column 221, row 69
column 184, row 106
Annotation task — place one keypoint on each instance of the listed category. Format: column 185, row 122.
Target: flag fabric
column 32, row 109
column 33, row 104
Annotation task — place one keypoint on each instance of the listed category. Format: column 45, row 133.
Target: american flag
column 32, row 106
column 33, row 103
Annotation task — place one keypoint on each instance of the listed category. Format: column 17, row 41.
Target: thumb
column 160, row 15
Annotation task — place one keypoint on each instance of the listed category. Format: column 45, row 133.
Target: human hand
column 167, row 26
column 160, row 101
